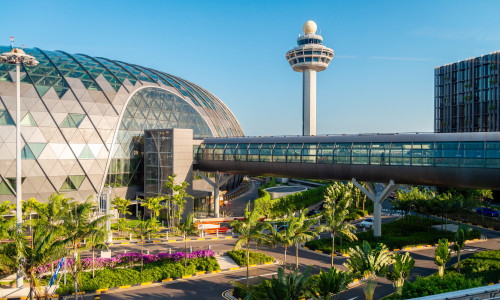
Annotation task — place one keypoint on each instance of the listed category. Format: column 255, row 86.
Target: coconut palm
column 187, row 228
column 370, row 264
column 96, row 241
column 332, row 282
column 141, row 231
column 154, row 204
column 78, row 225
column 5, row 225
column 400, row 270
column 337, row 202
column 442, row 256
column 248, row 229
column 301, row 233
column 459, row 242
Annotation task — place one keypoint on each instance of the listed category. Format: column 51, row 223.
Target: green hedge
column 408, row 232
column 107, row 278
column 431, row 285
column 484, row 265
column 239, row 256
column 278, row 207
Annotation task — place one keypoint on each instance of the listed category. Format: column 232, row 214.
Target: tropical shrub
column 431, row 285
column 239, row 256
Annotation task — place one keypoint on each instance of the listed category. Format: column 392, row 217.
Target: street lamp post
column 17, row 56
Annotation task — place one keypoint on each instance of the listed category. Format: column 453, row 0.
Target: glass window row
column 440, row 154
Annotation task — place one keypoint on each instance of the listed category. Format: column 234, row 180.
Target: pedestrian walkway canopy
column 463, row 160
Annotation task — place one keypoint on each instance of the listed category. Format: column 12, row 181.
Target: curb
column 470, row 224
column 96, row 294
column 170, row 241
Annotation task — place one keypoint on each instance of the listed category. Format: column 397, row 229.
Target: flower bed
column 240, row 257
column 128, row 259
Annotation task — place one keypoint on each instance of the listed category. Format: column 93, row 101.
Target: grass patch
column 239, row 256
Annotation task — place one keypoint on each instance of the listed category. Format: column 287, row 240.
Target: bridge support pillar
column 216, row 184
column 377, row 202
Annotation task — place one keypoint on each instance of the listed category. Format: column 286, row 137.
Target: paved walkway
column 226, row 262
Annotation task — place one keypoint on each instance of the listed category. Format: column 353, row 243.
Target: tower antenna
column 12, row 42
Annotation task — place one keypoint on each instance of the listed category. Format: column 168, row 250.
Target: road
column 212, row 286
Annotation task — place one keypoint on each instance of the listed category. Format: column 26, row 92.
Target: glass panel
column 342, row 153
column 86, row 153
column 293, row 153
column 279, row 152
column 471, row 154
column 67, row 186
column 266, row 152
column 219, row 152
column 446, row 155
column 229, row 152
column 360, row 153
column 309, row 153
column 4, row 189
column 379, row 153
column 37, row 148
column 5, row 118
column 400, row 154
column 422, row 154
column 241, row 152
column 26, row 153
column 77, row 180
column 493, row 155
column 28, row 120
column 208, row 151
column 325, row 153
column 253, row 152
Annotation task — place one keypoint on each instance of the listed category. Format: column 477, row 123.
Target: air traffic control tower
column 309, row 57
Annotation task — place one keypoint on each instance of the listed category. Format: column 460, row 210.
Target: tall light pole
column 17, row 56
column 309, row 57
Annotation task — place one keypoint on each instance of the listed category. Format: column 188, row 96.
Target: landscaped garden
column 239, row 256
column 406, row 232
column 478, row 270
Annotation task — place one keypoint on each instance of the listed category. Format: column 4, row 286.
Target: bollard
column 85, row 241
column 190, row 249
column 167, row 235
column 125, row 251
column 210, row 247
column 217, row 232
column 130, row 236
column 169, row 250
column 147, row 251
column 149, row 236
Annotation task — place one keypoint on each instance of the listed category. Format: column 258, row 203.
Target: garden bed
column 407, row 232
column 478, row 270
column 239, row 256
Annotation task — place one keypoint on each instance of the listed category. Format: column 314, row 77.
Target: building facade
column 83, row 123
column 467, row 95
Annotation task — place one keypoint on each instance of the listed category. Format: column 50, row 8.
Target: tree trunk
column 333, row 244
column 248, row 261
column 185, row 251
column 296, row 255
column 93, row 264
column 458, row 257
column 285, row 256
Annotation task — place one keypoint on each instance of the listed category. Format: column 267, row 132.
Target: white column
column 377, row 219
column 19, row 193
column 216, row 194
column 309, row 103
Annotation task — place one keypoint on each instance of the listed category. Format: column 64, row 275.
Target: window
column 492, row 154
column 72, row 183
column 28, row 120
column 293, row 153
column 266, row 152
column 241, row 152
column 229, row 152
column 360, row 153
column 72, row 120
column 219, row 152
column 471, row 154
column 379, row 154
column 208, row 151
column 422, row 154
column 253, row 152
column 342, row 153
column 279, row 152
column 309, row 153
column 446, row 155
column 325, row 153
column 400, row 154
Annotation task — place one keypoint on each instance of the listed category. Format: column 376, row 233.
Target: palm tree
column 332, row 282
column 175, row 202
column 122, row 205
column 96, row 240
column 249, row 229
column 459, row 243
column 337, row 202
column 370, row 264
column 43, row 249
column 442, row 256
column 187, row 228
column 141, row 231
column 79, row 225
column 299, row 228
column 446, row 202
column 401, row 269
column 154, row 204
column 5, row 225
column 291, row 286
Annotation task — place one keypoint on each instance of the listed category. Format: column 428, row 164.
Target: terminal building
column 83, row 123
column 467, row 95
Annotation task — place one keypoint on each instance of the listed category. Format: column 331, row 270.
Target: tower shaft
column 309, row 102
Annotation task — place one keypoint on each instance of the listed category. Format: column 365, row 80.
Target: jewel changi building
column 83, row 120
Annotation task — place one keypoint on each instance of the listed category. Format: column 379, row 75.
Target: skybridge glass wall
column 428, row 154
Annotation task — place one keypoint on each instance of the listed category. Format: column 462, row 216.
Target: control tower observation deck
column 309, row 57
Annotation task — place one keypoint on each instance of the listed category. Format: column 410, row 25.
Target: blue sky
column 380, row 80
